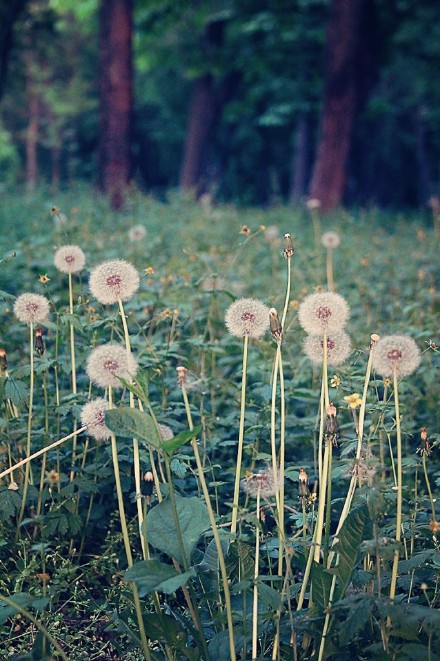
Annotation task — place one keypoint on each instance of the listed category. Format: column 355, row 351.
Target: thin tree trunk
column 32, row 140
column 300, row 160
column 339, row 103
column 116, row 98
column 9, row 13
column 425, row 179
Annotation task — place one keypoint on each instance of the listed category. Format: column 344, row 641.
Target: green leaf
column 219, row 645
column 349, row 540
column 131, row 423
column 155, row 576
column 321, row 581
column 193, row 521
column 10, row 503
column 16, row 391
column 357, row 617
column 177, row 441
column 22, row 599
column 269, row 596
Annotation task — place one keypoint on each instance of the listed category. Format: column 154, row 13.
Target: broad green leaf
column 193, row 521
column 177, row 441
column 219, row 645
column 321, row 581
column 269, row 596
column 152, row 575
column 10, row 503
column 349, row 540
column 357, row 616
column 16, row 391
column 167, row 628
column 131, row 423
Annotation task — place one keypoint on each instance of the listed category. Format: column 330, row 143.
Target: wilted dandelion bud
column 275, row 325
column 181, row 375
column 331, row 424
column 303, row 485
column 93, row 417
column 69, row 259
column 247, row 316
column 137, row 233
column 338, row 348
column 149, row 484
column 288, row 246
column 39, row 342
column 109, row 362
column 323, row 311
column 330, row 240
column 3, row 362
column 30, row 308
column 374, row 339
column 426, row 446
column 113, row 280
column 13, row 486
column 397, row 353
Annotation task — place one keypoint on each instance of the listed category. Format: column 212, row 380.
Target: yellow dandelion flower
column 353, row 400
column 335, row 381
column 244, row 229
column 149, row 270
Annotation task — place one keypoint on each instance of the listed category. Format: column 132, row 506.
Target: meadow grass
column 311, row 581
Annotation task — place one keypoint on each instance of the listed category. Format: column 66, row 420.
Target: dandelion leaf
column 131, row 423
column 349, row 540
column 16, row 391
column 155, row 576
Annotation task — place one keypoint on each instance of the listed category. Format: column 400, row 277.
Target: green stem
column 73, row 364
column 240, row 439
column 330, row 281
column 428, row 486
column 36, row 623
column 399, row 488
column 29, row 427
column 256, row 573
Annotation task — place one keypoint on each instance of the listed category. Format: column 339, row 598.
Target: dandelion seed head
column 112, row 280
column 247, row 316
column 166, row 433
column 399, row 352
column 108, row 362
column 69, row 259
column 137, row 233
column 323, row 311
column 330, row 240
column 338, row 348
column 263, row 482
column 93, row 417
column 30, row 308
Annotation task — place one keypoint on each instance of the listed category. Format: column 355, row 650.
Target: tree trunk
column 9, row 13
column 300, row 160
column 32, row 132
column 342, row 84
column 425, row 179
column 115, row 98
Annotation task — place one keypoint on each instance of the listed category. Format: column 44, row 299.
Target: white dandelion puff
column 108, row 362
column 30, row 308
column 69, row 259
column 93, row 417
column 247, row 316
column 323, row 311
column 396, row 352
column 113, row 280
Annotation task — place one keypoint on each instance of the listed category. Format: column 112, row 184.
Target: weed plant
column 222, row 495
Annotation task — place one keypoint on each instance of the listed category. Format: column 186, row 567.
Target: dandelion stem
column 330, row 281
column 73, row 365
column 399, row 487
column 29, row 427
column 256, row 573
column 240, row 438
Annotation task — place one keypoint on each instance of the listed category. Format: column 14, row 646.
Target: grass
column 65, row 566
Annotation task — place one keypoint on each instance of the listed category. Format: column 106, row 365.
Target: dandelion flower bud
column 374, row 339
column 136, row 233
column 288, row 246
column 181, row 375
column 93, row 417
column 275, row 325
column 330, row 240
column 39, row 342
column 149, row 484
column 107, row 363
column 323, row 311
column 69, row 259
column 396, row 352
column 113, row 280
column 338, row 348
column 29, row 308
column 247, row 316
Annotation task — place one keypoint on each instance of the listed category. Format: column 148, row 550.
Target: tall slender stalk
column 29, row 427
column 240, row 438
column 256, row 574
column 399, row 487
column 73, row 366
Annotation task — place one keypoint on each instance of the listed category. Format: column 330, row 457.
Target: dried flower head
column 275, row 325
column 30, row 308
column 338, row 348
column 69, row 259
column 288, row 246
column 323, row 311
column 313, row 203
column 53, row 477
column 109, row 362
column 113, row 280
column 263, row 482
column 166, row 433
column 247, row 316
column 137, row 233
column 93, row 417
column 330, row 240
column 396, row 352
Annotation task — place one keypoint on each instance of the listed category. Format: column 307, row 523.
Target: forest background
column 250, row 101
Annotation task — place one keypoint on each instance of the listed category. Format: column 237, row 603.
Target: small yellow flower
column 244, row 229
column 149, row 270
column 335, row 381
column 262, row 228
column 53, row 477
column 387, row 382
column 165, row 314
column 294, row 304
column 44, row 278
column 353, row 400
column 434, row 526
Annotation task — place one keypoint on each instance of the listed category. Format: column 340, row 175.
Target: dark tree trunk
column 425, row 179
column 300, row 160
column 209, row 96
column 115, row 98
column 10, row 10
column 344, row 85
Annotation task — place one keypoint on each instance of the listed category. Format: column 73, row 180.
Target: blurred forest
column 249, row 101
